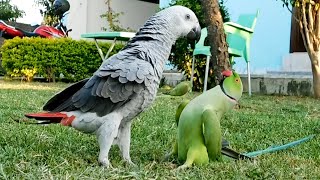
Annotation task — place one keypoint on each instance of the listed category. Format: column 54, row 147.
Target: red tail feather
column 52, row 117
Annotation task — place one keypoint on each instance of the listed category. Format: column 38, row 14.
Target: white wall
column 85, row 15
column 77, row 19
column 95, row 9
column 296, row 62
column 135, row 12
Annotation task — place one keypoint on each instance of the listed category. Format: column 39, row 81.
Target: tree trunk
column 309, row 21
column 216, row 38
column 316, row 75
column 296, row 41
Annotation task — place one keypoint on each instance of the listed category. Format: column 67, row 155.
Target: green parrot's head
column 232, row 85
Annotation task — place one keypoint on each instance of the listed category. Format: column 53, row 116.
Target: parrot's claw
column 166, row 157
column 105, row 163
column 130, row 163
column 182, row 167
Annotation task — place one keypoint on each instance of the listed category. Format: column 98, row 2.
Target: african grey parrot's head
column 182, row 22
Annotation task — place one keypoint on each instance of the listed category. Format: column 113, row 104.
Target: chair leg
column 206, row 74
column 231, row 61
column 249, row 78
column 192, row 71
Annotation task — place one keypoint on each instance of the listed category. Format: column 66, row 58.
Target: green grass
column 56, row 152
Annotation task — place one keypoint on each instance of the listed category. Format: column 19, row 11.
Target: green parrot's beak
column 227, row 73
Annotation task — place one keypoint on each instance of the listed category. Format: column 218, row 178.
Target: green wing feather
column 180, row 108
column 212, row 134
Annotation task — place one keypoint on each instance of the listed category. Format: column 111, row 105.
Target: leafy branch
column 9, row 12
column 113, row 19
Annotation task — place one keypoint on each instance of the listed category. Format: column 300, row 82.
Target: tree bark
column 316, row 75
column 216, row 38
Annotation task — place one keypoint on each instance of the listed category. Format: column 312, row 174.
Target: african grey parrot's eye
column 188, row 17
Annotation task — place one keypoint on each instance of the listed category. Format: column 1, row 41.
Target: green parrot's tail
column 281, row 147
column 234, row 154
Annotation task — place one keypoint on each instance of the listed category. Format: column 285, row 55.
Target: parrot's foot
column 130, row 163
column 166, row 157
column 105, row 163
column 184, row 166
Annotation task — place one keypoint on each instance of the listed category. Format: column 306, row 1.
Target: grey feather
column 115, row 88
column 129, row 86
column 147, row 82
column 139, row 80
column 102, row 107
column 125, row 92
column 104, row 73
column 115, row 74
column 82, row 97
column 141, row 73
column 100, row 87
column 137, row 88
column 123, row 73
column 131, row 75
column 123, row 80
column 62, row 99
column 95, row 86
column 90, row 103
column 105, row 90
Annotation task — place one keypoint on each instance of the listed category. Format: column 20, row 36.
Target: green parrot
column 181, row 89
column 199, row 136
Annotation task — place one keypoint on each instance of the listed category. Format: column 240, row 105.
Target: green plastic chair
column 200, row 48
column 238, row 38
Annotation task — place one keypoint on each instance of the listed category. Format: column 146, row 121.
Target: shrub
column 2, row 71
column 182, row 55
column 74, row 59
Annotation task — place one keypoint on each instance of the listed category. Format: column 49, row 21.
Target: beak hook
column 227, row 73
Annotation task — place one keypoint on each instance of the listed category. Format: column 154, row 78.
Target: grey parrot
column 124, row 85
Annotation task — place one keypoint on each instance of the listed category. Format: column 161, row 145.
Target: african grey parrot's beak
column 195, row 33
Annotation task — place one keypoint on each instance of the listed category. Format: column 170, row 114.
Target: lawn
column 56, row 152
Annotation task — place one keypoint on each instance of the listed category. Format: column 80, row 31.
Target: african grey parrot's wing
column 115, row 83
column 60, row 99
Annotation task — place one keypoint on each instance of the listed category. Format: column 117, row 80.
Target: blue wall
column 271, row 38
column 164, row 3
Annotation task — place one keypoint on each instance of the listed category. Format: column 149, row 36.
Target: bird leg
column 174, row 151
column 123, row 142
column 106, row 134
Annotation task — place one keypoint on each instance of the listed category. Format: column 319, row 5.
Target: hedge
column 50, row 58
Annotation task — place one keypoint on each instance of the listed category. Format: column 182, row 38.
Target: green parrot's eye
column 237, row 80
